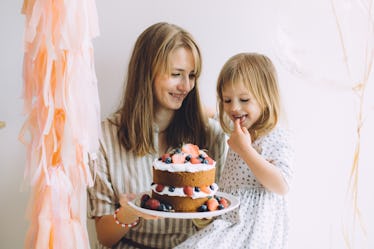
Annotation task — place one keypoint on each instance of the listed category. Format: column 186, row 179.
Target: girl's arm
column 266, row 173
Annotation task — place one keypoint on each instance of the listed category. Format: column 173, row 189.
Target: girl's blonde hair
column 258, row 74
column 150, row 56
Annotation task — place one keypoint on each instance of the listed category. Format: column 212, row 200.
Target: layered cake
column 183, row 180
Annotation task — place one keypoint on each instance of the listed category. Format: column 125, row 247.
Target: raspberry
column 224, row 202
column 209, row 160
column 152, row 204
column 212, row 204
column 188, row 191
column 159, row 187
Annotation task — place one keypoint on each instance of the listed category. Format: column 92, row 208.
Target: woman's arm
column 109, row 232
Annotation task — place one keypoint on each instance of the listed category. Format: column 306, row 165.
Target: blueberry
column 178, row 150
column 188, row 158
column 202, row 156
column 142, row 204
column 197, row 189
column 205, row 161
column 168, row 207
column 162, row 207
column 220, row 207
column 171, row 188
column 168, row 160
column 202, row 208
column 211, row 187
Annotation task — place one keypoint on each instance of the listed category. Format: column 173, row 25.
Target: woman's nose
column 186, row 84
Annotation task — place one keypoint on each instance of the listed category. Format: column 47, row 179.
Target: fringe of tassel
column 62, row 124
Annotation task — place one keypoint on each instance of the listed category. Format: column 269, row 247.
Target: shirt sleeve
column 101, row 196
column 278, row 149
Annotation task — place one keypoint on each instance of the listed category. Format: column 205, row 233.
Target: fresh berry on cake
column 184, row 181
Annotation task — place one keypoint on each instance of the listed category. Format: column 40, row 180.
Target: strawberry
column 152, row 204
column 188, row 190
column 191, row 149
column 224, row 202
column 209, row 159
column 159, row 187
column 178, row 158
column 212, row 204
column 194, row 160
column 205, row 189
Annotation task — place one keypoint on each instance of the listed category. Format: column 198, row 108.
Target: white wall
column 302, row 39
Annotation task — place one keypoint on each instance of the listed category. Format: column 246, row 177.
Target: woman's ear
column 209, row 111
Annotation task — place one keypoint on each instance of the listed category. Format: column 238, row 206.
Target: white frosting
column 182, row 167
column 179, row 192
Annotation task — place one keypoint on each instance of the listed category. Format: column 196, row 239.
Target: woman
column 160, row 110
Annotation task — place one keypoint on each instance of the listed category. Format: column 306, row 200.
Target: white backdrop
column 303, row 40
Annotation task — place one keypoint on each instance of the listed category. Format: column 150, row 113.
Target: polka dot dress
column 261, row 221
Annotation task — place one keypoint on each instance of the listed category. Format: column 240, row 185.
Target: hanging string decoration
column 360, row 90
column 62, row 125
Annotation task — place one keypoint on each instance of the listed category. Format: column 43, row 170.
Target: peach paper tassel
column 62, row 124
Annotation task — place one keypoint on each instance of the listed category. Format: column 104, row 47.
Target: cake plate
column 233, row 203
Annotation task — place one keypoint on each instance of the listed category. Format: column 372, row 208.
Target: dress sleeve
column 101, row 196
column 278, row 149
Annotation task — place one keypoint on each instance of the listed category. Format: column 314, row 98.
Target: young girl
column 258, row 166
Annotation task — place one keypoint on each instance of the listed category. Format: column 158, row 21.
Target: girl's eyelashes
column 229, row 100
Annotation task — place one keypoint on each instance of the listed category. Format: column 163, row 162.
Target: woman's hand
column 108, row 231
column 129, row 211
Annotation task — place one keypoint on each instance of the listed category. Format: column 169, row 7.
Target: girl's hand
column 240, row 139
column 124, row 198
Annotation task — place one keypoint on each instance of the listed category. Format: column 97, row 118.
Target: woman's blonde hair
column 258, row 74
column 150, row 56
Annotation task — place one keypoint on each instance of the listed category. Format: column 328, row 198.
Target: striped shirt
column 118, row 171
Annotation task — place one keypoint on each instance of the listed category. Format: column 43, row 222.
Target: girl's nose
column 235, row 106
